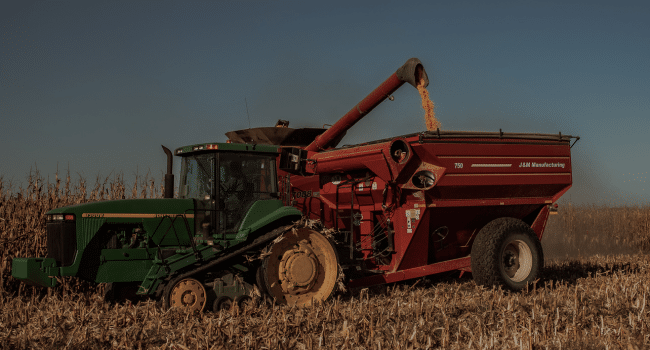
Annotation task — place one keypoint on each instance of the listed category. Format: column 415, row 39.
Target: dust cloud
column 592, row 230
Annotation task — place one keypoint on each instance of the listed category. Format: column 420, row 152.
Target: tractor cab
column 226, row 180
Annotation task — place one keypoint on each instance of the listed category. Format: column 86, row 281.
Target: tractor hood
column 129, row 208
column 76, row 229
column 155, row 216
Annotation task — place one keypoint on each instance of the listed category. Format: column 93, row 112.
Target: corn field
column 593, row 294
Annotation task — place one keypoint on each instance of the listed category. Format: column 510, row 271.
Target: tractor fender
column 264, row 213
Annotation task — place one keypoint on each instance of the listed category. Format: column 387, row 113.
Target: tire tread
column 486, row 250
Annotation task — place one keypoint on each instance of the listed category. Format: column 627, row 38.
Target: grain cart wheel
column 506, row 253
column 302, row 267
column 188, row 293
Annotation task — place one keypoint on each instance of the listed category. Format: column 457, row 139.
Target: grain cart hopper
column 429, row 202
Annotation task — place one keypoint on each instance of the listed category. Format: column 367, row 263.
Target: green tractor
column 226, row 238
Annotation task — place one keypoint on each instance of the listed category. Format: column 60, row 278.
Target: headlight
column 59, row 217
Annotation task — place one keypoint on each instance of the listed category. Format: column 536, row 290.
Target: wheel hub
column 298, row 268
column 510, row 259
column 188, row 298
column 188, row 293
column 517, row 260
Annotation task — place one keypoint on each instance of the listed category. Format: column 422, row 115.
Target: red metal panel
column 411, row 226
column 492, row 148
column 366, row 193
column 503, row 165
column 489, row 202
column 540, row 222
column 416, row 272
column 370, row 157
column 504, row 179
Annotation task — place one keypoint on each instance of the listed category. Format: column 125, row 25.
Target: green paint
column 30, row 271
column 142, row 206
column 123, row 271
column 128, row 254
column 232, row 287
column 265, row 212
column 121, row 240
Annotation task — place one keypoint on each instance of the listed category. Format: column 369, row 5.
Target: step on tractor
column 287, row 214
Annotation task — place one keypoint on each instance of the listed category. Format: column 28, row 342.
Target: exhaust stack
column 169, row 176
column 411, row 72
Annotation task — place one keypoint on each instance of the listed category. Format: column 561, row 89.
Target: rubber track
column 486, row 249
column 258, row 242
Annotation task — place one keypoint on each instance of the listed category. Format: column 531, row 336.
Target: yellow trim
column 132, row 216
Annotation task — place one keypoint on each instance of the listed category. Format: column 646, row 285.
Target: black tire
column 259, row 279
column 507, row 253
column 243, row 301
column 164, row 300
column 222, row 303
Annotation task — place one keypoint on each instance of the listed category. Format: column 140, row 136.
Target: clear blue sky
column 99, row 86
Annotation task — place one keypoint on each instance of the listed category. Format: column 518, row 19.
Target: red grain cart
column 425, row 203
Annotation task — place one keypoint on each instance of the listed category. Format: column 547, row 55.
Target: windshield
column 197, row 176
column 247, row 172
column 243, row 179
column 238, row 172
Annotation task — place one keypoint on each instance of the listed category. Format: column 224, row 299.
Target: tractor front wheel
column 301, row 268
column 506, row 253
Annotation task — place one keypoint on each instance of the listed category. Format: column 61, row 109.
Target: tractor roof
column 235, row 147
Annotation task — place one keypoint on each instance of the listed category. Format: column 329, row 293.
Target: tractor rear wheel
column 506, row 252
column 301, row 268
